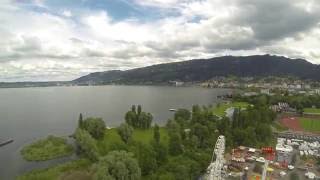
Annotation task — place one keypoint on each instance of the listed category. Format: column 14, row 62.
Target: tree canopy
column 95, row 126
column 125, row 131
column 118, row 165
column 138, row 119
column 86, row 144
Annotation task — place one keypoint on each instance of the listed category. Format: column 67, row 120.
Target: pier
column 3, row 143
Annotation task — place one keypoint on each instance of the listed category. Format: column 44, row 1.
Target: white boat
column 290, row 167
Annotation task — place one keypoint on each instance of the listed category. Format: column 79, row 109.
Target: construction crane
column 216, row 165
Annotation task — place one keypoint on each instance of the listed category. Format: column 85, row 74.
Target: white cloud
column 67, row 13
column 101, row 26
column 159, row 3
column 41, row 45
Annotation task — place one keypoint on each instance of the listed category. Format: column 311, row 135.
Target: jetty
column 3, row 143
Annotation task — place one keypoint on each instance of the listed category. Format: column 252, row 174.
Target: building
column 284, row 152
column 265, row 91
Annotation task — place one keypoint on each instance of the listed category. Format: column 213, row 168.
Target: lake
column 27, row 114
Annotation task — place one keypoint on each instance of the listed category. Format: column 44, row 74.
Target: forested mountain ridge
column 204, row 69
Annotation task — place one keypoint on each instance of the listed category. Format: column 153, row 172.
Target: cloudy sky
column 63, row 39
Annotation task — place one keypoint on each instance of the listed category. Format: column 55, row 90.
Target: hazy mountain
column 204, row 69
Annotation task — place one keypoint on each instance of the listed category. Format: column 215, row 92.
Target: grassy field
column 308, row 124
column 312, row 110
column 71, row 170
column 45, row 149
column 220, row 109
column 112, row 140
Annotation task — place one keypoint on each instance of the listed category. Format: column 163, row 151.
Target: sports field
column 312, row 110
column 308, row 124
column 301, row 124
column 291, row 123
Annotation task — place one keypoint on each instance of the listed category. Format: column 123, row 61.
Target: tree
column 133, row 108
column 95, row 126
column 173, row 126
column 138, row 119
column 184, row 168
column 80, row 121
column 175, row 144
column 139, row 109
column 118, row 165
column 224, row 125
column 131, row 118
column 146, row 158
column 161, row 152
column 263, row 133
column 194, row 142
column 184, row 114
column 86, row 144
column 156, row 134
column 202, row 133
column 125, row 131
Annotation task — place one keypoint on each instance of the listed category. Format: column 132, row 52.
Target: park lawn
column 45, row 149
column 62, row 171
column 312, row 110
column 145, row 136
column 112, row 140
column 308, row 124
column 220, row 109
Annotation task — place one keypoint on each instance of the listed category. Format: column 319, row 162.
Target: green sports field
column 308, row 124
column 312, row 110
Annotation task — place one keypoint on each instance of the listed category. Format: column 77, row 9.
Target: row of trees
column 184, row 153
column 199, row 128
column 86, row 144
column 252, row 127
column 116, row 164
column 138, row 119
column 86, row 134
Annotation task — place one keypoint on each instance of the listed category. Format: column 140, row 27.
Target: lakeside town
column 295, row 151
column 268, row 85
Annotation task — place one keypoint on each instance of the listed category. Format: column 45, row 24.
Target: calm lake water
column 28, row 114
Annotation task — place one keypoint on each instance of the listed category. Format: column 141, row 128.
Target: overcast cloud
column 62, row 40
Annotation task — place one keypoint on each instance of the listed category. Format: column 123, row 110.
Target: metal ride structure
column 215, row 168
column 270, row 154
column 265, row 168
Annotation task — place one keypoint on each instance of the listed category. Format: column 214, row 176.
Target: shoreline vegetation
column 76, row 169
column 49, row 148
column 181, row 149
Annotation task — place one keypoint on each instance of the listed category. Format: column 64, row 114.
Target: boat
column 3, row 143
column 173, row 110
